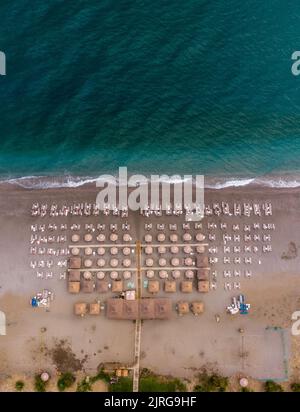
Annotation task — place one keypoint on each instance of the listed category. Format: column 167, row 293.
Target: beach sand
column 39, row 340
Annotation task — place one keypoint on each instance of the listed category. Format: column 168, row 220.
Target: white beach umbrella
column 162, row 262
column 88, row 237
column 101, row 262
column 149, row 262
column 189, row 274
column 126, row 251
column 114, row 250
column 161, row 237
column 101, row 251
column 75, row 251
column 88, row 263
column 188, row 261
column 113, row 237
column 148, row 250
column 173, row 237
column 127, row 274
column 163, row 274
column 200, row 249
column 127, row 237
column 187, row 237
column 150, row 274
column 174, row 249
column 175, row 261
column 200, row 237
column 161, row 249
column 101, row 237
column 75, row 238
column 176, row 274
column 187, row 249
column 100, row 275
column 148, row 238
column 87, row 275
column 114, row 263
column 113, row 275
column 88, row 251
column 126, row 263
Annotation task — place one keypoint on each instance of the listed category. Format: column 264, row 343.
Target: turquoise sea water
column 159, row 86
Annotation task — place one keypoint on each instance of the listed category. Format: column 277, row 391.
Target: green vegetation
column 84, row 386
column 246, row 390
column 39, row 384
column 121, row 385
column 211, row 383
column 271, row 386
column 65, row 381
column 161, row 384
column 101, row 376
column 19, row 385
column 295, row 387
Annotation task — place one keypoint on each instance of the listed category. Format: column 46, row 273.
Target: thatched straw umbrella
column 126, row 251
column 127, row 263
column 149, row 262
column 127, row 237
column 189, row 274
column 126, row 274
column 150, row 274
column 101, row 262
column 174, row 249
column 88, row 237
column 161, row 237
column 173, row 237
column 153, row 286
column 101, row 251
column 113, row 250
column 101, row 237
column 187, row 237
column 100, row 275
column 114, row 274
column 187, row 249
column 80, row 309
column 186, row 286
column 162, row 262
column 197, row 308
column 117, row 286
column 87, row 275
column 200, row 237
column 170, row 286
column 74, row 287
column 75, row 251
column 148, row 250
column 88, row 251
column 75, row 238
column 113, row 237
column 175, row 261
column 161, row 249
column 163, row 274
column 182, row 308
column 94, row 308
column 176, row 274
column 114, row 263
column 148, row 238
column 88, row 263
column 188, row 261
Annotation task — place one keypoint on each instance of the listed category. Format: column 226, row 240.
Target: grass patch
column 211, row 383
column 84, row 386
column 295, row 387
column 19, row 386
column 65, row 381
column 123, row 384
column 271, row 386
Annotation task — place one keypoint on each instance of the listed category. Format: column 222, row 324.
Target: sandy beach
column 56, row 340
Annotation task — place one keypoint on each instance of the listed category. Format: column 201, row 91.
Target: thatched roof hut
column 130, row 309
column 203, row 286
column 117, row 286
column 88, row 286
column 94, row 308
column 182, row 308
column 153, row 286
column 114, row 308
column 186, row 286
column 201, row 261
column 102, row 286
column 80, row 309
column 75, row 263
column 74, row 287
column 74, row 275
column 147, row 308
column 197, row 308
column 162, row 308
column 170, row 286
